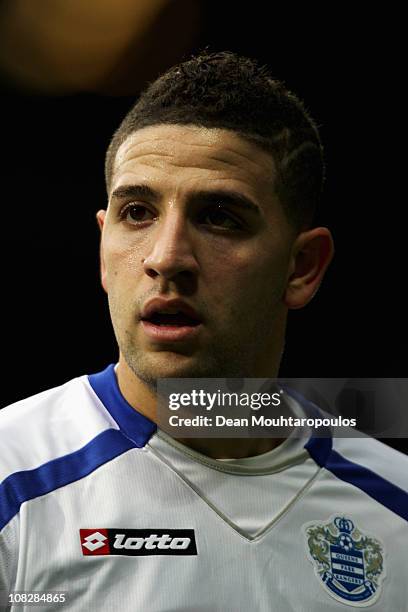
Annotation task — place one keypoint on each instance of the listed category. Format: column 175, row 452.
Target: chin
column 166, row 364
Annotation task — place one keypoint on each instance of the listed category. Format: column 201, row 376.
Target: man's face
column 193, row 216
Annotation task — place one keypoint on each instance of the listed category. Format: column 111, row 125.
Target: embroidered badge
column 349, row 563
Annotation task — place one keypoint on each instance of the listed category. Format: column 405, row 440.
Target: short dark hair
column 225, row 90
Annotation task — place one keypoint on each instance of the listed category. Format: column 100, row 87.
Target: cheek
column 123, row 262
column 246, row 273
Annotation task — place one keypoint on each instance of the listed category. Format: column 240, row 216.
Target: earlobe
column 312, row 252
column 100, row 217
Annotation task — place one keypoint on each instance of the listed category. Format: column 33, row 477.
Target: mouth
column 170, row 321
column 177, row 319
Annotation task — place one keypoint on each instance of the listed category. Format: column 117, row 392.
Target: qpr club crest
column 349, row 563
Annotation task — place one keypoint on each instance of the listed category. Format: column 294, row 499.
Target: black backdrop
column 54, row 313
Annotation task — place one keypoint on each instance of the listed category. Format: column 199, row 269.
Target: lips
column 173, row 312
column 166, row 321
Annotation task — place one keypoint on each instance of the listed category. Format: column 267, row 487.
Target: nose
column 172, row 253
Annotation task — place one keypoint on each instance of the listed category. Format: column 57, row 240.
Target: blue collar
column 134, row 425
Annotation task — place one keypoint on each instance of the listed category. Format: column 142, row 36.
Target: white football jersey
column 97, row 504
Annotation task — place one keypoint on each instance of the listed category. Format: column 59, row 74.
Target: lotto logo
column 94, row 541
column 138, row 542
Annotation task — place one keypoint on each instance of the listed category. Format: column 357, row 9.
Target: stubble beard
column 155, row 365
column 235, row 356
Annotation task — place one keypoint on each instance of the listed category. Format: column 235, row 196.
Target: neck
column 231, row 448
column 143, row 399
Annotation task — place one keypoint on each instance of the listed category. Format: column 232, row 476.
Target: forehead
column 192, row 151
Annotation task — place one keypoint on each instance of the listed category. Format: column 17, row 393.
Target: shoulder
column 366, row 465
column 354, row 456
column 52, row 440
column 49, row 425
column 375, row 459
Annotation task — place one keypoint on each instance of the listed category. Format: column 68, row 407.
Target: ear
column 312, row 252
column 100, row 218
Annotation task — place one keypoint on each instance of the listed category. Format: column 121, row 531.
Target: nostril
column 151, row 272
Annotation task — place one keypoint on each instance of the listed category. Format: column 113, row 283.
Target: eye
column 220, row 217
column 136, row 213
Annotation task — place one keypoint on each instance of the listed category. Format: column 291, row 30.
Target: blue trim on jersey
column 321, row 450
column 383, row 491
column 29, row 484
column 135, row 425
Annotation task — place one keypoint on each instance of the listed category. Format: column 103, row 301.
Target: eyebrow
column 135, row 191
column 225, row 196
column 214, row 197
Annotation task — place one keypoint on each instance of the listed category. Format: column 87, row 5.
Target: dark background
column 343, row 64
